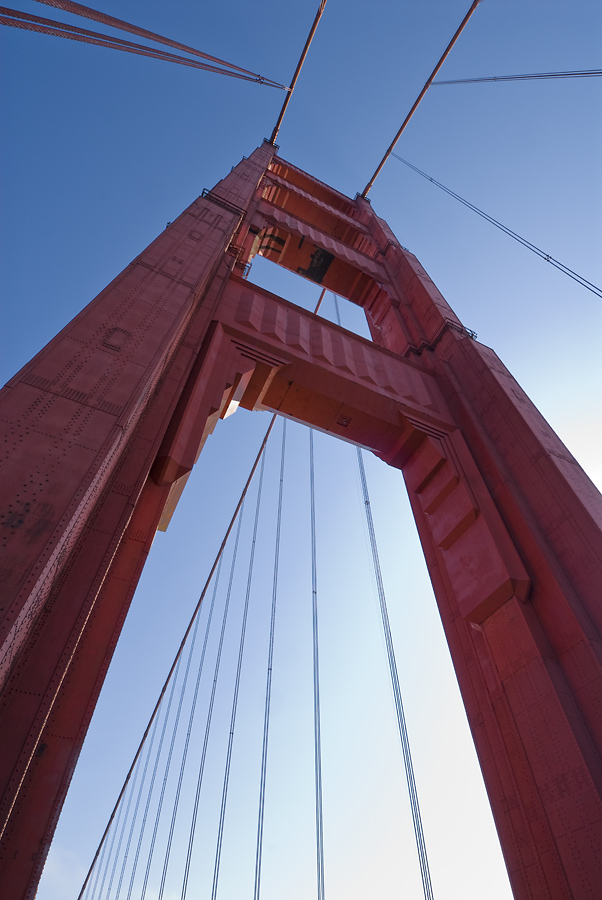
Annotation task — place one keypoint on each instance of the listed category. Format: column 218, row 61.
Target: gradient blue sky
column 99, row 150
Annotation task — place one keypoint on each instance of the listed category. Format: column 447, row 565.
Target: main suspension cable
column 579, row 73
column 320, row 301
column 268, row 686
column 316, row 667
column 521, row 240
column 180, row 649
column 297, row 72
column 53, row 28
column 418, row 100
column 78, row 9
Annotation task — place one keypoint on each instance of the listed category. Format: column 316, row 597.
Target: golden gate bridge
column 253, row 350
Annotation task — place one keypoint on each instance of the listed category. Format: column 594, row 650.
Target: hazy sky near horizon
column 99, row 150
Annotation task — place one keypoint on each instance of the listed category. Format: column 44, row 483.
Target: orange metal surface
column 109, row 419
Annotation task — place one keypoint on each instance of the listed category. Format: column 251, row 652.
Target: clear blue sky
column 99, row 150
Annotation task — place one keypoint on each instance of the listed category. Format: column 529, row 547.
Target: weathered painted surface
column 106, row 423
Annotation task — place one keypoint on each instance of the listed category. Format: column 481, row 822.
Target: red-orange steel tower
column 104, row 425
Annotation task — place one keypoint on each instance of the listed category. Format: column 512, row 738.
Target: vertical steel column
column 84, row 422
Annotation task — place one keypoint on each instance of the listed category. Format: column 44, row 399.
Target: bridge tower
column 104, row 425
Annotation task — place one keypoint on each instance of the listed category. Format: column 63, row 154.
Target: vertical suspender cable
column 401, row 721
column 123, row 824
column 136, row 808
column 317, row 735
column 241, row 649
column 172, row 744
column 163, row 785
column 178, row 654
column 146, row 808
column 403, row 733
column 160, row 804
column 189, row 729
column 268, row 687
column 210, row 715
column 110, row 844
column 92, row 885
column 336, row 309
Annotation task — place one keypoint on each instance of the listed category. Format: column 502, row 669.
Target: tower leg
column 529, row 665
column 104, row 425
column 84, row 422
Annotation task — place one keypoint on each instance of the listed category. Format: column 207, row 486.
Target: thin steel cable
column 92, row 885
column 199, row 783
column 316, row 670
column 180, row 649
column 336, row 309
column 191, row 716
column 521, row 240
column 268, row 687
column 111, row 844
column 241, row 649
column 401, row 722
column 28, row 22
column 418, row 100
column 151, row 849
column 297, row 72
column 149, row 795
column 123, row 824
column 135, row 813
column 79, row 9
column 176, row 723
column 174, row 732
column 578, row 73
column 167, row 768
